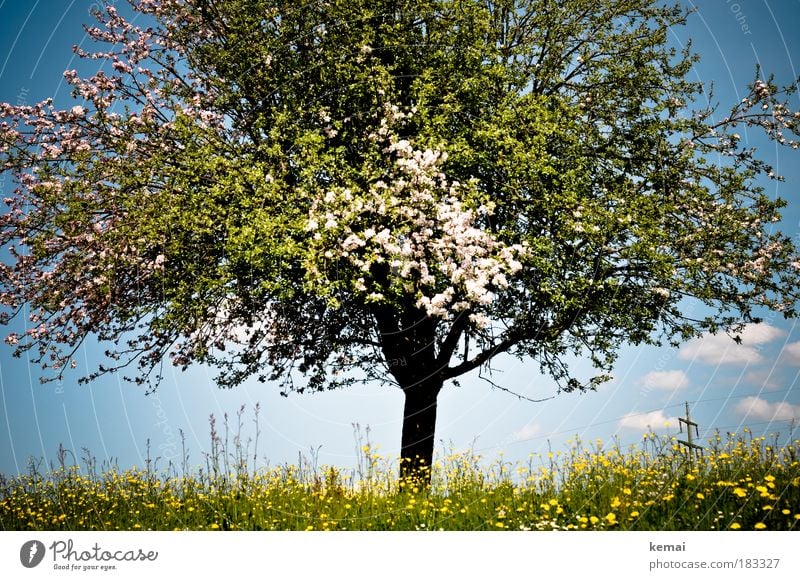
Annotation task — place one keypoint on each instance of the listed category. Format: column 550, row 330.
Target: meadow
column 741, row 482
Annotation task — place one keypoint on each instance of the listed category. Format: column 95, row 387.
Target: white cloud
column 791, row 353
column 665, row 380
column 528, row 432
column 758, row 408
column 647, row 421
column 763, row 379
column 718, row 349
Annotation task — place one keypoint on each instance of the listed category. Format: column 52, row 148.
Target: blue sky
column 728, row 386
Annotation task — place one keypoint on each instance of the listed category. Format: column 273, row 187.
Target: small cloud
column 791, row 353
column 758, row 408
column 665, row 380
column 763, row 379
column 719, row 349
column 529, row 431
column 647, row 421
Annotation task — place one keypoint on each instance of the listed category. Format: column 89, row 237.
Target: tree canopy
column 389, row 191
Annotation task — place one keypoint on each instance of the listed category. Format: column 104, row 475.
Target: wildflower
column 735, row 526
column 740, row 492
column 611, row 518
column 761, row 526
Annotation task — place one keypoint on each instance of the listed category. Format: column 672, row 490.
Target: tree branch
column 482, row 357
column 450, row 342
column 509, row 391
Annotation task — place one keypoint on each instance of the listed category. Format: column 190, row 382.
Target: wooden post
column 693, row 447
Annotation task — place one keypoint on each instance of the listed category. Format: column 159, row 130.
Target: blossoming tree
column 386, row 190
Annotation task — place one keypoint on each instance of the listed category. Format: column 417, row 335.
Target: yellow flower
column 761, row 526
column 214, row 526
column 595, row 519
column 740, row 492
column 611, row 518
column 735, row 526
column 701, row 496
column 769, row 478
column 785, row 512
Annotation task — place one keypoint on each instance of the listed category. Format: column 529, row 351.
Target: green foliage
column 389, row 191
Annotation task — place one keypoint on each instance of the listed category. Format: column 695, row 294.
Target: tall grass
column 740, row 482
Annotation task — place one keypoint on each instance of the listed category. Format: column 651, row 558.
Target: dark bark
column 408, row 341
column 419, row 426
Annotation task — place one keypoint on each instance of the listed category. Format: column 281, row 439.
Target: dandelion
column 735, row 526
column 761, row 526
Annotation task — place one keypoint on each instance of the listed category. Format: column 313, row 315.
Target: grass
column 740, row 483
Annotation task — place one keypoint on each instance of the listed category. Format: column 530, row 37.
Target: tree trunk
column 419, row 426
